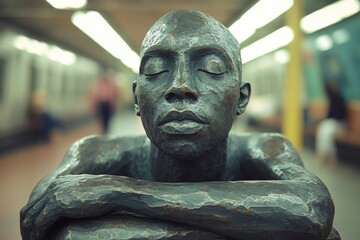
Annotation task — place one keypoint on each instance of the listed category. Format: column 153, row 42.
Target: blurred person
column 41, row 119
column 333, row 124
column 103, row 98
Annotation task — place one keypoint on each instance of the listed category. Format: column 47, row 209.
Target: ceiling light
column 99, row 30
column 329, row 15
column 324, row 43
column 61, row 56
column 38, row 48
column 271, row 42
column 54, row 53
column 63, row 4
column 341, row 36
column 22, row 42
column 282, row 56
column 262, row 13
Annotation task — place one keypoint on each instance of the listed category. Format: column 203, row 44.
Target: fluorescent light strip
column 315, row 21
column 42, row 49
column 98, row 29
column 271, row 42
column 61, row 56
column 329, row 15
column 64, row 4
column 262, row 13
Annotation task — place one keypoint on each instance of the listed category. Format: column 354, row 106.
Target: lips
column 181, row 116
column 182, row 122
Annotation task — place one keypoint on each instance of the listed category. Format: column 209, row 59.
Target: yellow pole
column 292, row 114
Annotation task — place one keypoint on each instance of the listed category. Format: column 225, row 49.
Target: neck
column 208, row 166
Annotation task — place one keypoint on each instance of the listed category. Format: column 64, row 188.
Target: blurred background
column 59, row 58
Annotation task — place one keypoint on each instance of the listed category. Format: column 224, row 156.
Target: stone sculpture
column 188, row 179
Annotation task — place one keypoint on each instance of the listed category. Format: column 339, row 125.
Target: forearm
column 250, row 209
column 124, row 227
column 277, row 209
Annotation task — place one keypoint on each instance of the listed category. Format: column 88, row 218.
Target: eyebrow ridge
column 193, row 52
column 159, row 51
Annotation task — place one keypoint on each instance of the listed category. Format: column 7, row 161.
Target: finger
column 24, row 211
column 45, row 220
column 30, row 217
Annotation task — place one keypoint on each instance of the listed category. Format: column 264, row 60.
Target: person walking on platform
column 333, row 124
column 103, row 98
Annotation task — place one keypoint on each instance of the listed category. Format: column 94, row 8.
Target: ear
column 136, row 105
column 245, row 91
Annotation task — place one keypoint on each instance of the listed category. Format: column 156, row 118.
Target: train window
column 51, row 86
column 64, row 87
column 2, row 78
column 33, row 78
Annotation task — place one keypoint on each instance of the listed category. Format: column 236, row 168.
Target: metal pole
column 292, row 114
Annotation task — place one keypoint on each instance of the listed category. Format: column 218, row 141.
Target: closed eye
column 211, row 73
column 156, row 73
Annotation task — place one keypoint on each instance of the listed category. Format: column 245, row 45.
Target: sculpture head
column 189, row 89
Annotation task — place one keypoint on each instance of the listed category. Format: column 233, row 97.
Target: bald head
column 189, row 83
column 189, row 27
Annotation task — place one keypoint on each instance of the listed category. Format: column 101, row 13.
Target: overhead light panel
column 315, row 21
column 42, row 49
column 99, row 30
column 59, row 55
column 341, row 36
column 329, row 15
column 324, row 42
column 262, row 13
column 282, row 56
column 271, row 42
column 64, row 4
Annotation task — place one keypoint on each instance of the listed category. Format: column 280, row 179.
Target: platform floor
column 20, row 170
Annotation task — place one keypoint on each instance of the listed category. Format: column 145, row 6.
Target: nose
column 181, row 89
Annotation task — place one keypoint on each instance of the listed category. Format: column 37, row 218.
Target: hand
column 71, row 196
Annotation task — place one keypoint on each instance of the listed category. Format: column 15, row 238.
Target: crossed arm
column 295, row 205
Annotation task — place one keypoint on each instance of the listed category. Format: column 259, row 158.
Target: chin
column 182, row 148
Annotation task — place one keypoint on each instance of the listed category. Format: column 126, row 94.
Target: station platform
column 20, row 170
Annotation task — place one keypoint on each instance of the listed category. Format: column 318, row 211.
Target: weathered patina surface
column 188, row 178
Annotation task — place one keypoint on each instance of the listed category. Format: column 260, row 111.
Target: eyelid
column 212, row 73
column 156, row 73
column 154, row 66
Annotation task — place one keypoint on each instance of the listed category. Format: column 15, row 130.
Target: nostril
column 187, row 95
column 181, row 93
column 190, row 95
column 169, row 96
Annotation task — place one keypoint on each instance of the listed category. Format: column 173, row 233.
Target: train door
column 2, row 79
column 32, row 120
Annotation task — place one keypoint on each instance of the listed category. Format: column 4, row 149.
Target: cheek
column 150, row 93
column 147, row 97
column 224, row 108
column 223, row 99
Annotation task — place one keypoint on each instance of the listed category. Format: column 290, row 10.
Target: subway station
column 74, row 69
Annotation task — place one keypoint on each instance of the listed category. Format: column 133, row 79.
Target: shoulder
column 266, row 146
column 97, row 141
column 256, row 140
column 106, row 144
column 104, row 154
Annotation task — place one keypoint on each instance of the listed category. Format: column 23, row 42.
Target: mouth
column 182, row 123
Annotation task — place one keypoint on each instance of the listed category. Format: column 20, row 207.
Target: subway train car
column 30, row 67
column 330, row 54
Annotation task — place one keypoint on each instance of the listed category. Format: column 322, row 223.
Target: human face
column 187, row 91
